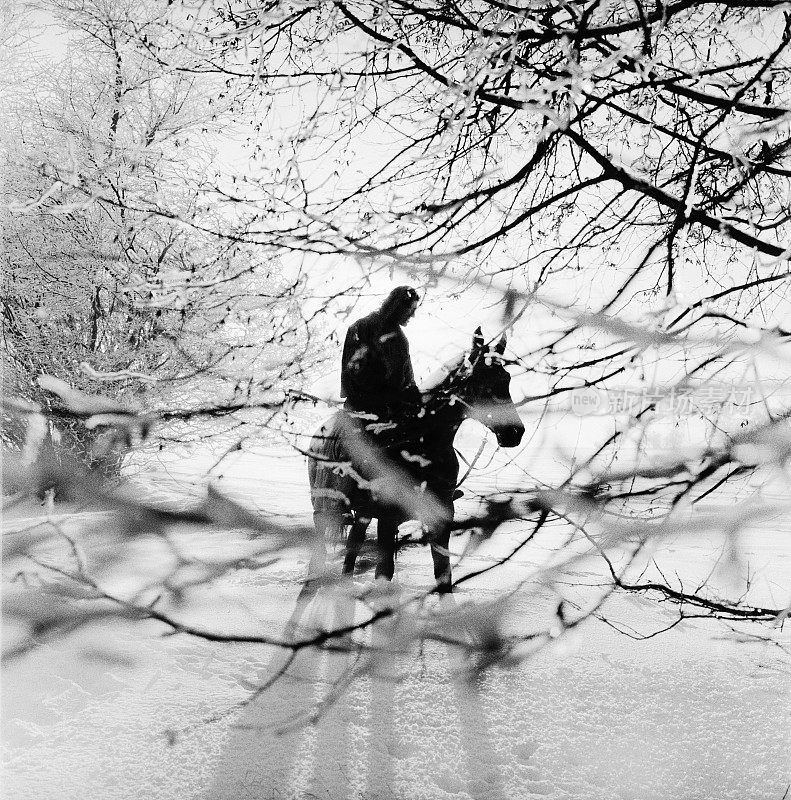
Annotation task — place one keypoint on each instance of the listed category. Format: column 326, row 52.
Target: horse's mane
column 444, row 374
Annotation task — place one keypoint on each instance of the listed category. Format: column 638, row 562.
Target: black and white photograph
column 396, row 399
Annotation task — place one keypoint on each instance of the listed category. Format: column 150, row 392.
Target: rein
column 454, row 398
column 470, row 464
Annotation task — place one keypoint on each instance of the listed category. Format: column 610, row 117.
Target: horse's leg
column 308, row 591
column 329, row 527
column 354, row 543
column 325, row 523
column 386, row 537
column 440, row 541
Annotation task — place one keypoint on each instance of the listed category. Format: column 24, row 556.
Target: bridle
column 463, row 373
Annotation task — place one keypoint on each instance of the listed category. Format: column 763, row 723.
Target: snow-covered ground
column 123, row 713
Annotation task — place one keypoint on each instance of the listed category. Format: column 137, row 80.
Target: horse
column 408, row 469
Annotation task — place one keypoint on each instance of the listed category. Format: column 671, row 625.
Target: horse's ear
column 499, row 348
column 477, row 342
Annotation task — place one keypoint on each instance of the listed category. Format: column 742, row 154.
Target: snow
column 121, row 712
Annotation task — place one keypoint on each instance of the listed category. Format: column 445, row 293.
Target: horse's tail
column 331, row 486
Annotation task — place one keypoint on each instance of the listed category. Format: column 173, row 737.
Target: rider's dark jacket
column 376, row 370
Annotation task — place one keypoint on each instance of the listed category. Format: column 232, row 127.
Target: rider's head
column 399, row 306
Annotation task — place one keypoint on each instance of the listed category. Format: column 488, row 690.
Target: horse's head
column 486, row 390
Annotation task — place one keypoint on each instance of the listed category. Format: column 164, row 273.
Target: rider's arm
column 350, row 346
column 360, row 371
column 400, row 377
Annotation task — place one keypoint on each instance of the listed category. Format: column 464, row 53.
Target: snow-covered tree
column 113, row 275
column 618, row 172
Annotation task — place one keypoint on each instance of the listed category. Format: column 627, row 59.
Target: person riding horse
column 377, row 378
column 420, row 479
column 378, row 384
